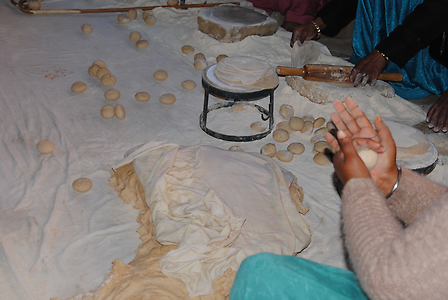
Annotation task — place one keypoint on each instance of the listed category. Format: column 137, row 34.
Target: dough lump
column 93, row 69
column 132, row 14
column 107, row 111
column 112, row 95
column 147, row 13
column 108, row 80
column 167, row 99
column 286, row 111
column 284, row 155
column 319, row 122
column 284, row 125
column 307, row 127
column 160, row 75
column 123, row 19
column 79, row 87
column 86, row 28
column 45, row 146
column 258, row 126
column 142, row 96
column 189, row 84
column 82, row 185
column 99, row 63
column 34, row 5
column 308, row 118
column 330, row 125
column 296, row 123
column 187, row 49
column 321, row 131
column 280, row 135
column 199, row 55
column 135, row 36
column 321, row 146
column 238, row 107
column 200, row 64
column 236, row 148
column 119, row 112
column 296, row 148
column 321, row 159
column 150, row 20
column 101, row 72
column 269, row 150
column 172, row 2
column 220, row 57
column 369, row 157
column 142, row 44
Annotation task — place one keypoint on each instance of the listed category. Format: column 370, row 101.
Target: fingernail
column 379, row 118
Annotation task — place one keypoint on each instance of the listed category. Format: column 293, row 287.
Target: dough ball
column 108, row 80
column 280, row 135
column 321, row 131
column 119, row 112
column 296, row 148
column 286, row 111
column 123, row 19
column 317, row 138
column 308, row 119
column 101, row 72
column 34, row 5
column 296, row 123
column 199, row 55
column 160, row 75
column 132, row 14
column 135, row 36
column 150, row 20
column 284, row 125
column 238, row 107
column 200, row 64
column 79, row 87
column 112, row 95
column 258, row 126
column 269, row 150
column 93, row 70
column 369, row 157
column 167, row 99
column 86, row 28
column 107, row 111
column 321, row 147
column 147, row 13
column 189, row 85
column 220, row 57
column 284, row 155
column 142, row 96
column 100, row 63
column 236, row 148
column 187, row 49
column 142, row 44
column 172, row 2
column 321, row 159
column 307, row 127
column 45, row 147
column 319, row 122
column 330, row 125
column 82, row 185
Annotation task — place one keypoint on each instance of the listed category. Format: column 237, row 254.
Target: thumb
column 346, row 144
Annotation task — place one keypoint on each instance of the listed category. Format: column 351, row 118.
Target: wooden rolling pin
column 329, row 73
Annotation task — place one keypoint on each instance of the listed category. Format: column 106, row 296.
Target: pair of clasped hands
column 355, row 130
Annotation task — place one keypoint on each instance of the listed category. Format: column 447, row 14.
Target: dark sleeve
column 418, row 30
column 337, row 14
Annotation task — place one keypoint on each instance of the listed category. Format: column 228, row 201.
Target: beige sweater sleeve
column 392, row 261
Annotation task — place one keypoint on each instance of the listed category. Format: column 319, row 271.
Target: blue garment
column 277, row 277
column 376, row 19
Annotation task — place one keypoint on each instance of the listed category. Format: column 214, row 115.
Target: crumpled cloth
column 219, row 206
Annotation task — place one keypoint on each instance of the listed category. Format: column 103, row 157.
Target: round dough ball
column 200, row 64
column 107, row 111
column 142, row 44
column 286, row 111
column 319, row 122
column 280, row 135
column 142, row 96
column 369, row 157
column 150, row 20
column 321, row 159
column 147, row 13
column 296, row 123
column 93, row 70
column 321, row 131
column 284, row 155
column 82, row 185
column 100, row 63
column 307, row 127
column 34, row 5
column 321, row 146
column 172, row 2
column 296, row 148
column 187, row 49
column 119, row 112
column 269, row 150
column 199, row 55
column 135, row 36
column 160, row 75
column 79, row 87
column 101, row 72
column 284, row 125
column 108, row 80
column 236, row 148
column 167, row 99
column 189, row 85
column 132, row 14
column 258, row 126
column 112, row 95
column 45, row 146
column 123, row 19
column 308, row 118
column 238, row 107
column 86, row 28
column 220, row 57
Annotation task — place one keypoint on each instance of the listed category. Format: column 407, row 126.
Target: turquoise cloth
column 268, row 276
column 376, row 19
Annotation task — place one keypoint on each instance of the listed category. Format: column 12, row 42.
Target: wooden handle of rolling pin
column 390, row 76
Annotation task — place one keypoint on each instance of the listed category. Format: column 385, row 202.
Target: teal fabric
column 376, row 19
column 268, row 276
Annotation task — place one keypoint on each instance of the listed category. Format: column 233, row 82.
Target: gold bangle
column 383, row 55
column 317, row 28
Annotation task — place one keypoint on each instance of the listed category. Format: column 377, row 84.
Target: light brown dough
column 150, row 20
column 199, row 55
column 258, row 126
column 45, row 146
column 321, row 159
column 142, row 44
column 167, row 99
column 238, row 107
column 284, row 125
column 123, row 19
column 147, row 13
column 82, row 185
column 296, row 123
column 187, row 49
column 319, row 122
column 296, row 148
column 160, row 75
column 112, row 95
column 308, row 118
column 135, row 36
column 317, row 138
column 321, row 146
column 220, row 57
column 79, row 87
column 236, row 148
column 108, row 80
column 86, row 28
column 100, row 63
column 330, row 125
column 34, row 5
column 284, row 155
column 142, row 96
column 200, row 64
column 321, row 131
column 369, row 157
column 93, row 70
column 107, row 111
column 286, row 111
column 101, row 72
column 132, row 14
column 307, row 127
column 119, row 112
column 172, row 2
column 189, row 84
column 280, row 135
column 269, row 150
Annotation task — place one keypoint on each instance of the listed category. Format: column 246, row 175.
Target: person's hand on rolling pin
column 352, row 124
column 437, row 116
column 307, row 31
column 367, row 70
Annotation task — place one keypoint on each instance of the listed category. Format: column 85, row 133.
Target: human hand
column 367, row 70
column 303, row 33
column 437, row 116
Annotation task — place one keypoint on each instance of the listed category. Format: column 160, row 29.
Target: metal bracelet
column 317, row 28
column 396, row 184
column 383, row 55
